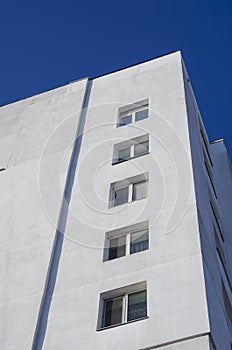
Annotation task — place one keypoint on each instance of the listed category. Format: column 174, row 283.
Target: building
column 137, row 252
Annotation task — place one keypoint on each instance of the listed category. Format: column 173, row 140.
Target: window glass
column 139, row 241
column 137, row 305
column 139, row 190
column 124, row 154
column 117, row 247
column 227, row 303
column 141, row 148
column 140, row 115
column 121, row 196
column 113, row 312
column 126, row 120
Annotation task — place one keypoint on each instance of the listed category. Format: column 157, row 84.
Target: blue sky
column 45, row 44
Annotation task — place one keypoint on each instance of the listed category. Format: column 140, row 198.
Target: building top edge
column 43, row 92
column 134, row 65
column 92, row 78
column 226, row 148
column 217, row 140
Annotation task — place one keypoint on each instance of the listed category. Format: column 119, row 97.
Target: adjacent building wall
column 218, row 191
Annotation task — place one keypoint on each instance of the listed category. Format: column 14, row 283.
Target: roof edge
column 43, row 92
column 93, row 78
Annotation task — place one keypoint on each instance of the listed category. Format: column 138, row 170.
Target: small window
column 123, row 154
column 123, row 305
column 216, row 216
column 113, row 312
column 132, row 148
column 126, row 120
column 133, row 113
column 227, row 303
column 120, row 196
column 204, row 139
column 117, row 247
column 126, row 241
column 209, row 171
column 141, row 148
column 128, row 190
column 137, row 305
column 140, row 115
column 139, row 190
column 139, row 241
column 219, row 249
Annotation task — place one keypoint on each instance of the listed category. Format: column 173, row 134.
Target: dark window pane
column 121, row 196
column 140, row 115
column 112, row 312
column 227, row 303
column 124, row 154
column 126, row 120
column 139, row 241
column 117, row 247
column 137, row 305
column 141, row 148
column 139, row 190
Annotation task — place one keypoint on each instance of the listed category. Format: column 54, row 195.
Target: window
column 221, row 255
column 227, row 303
column 204, row 139
column 142, row 114
column 219, row 249
column 123, row 305
column 123, row 154
column 139, row 241
column 125, row 120
column 133, row 113
column 127, row 240
column 131, row 149
column 128, row 190
column 139, row 190
column 209, row 171
column 216, row 218
column 121, row 196
column 141, row 148
column 117, row 247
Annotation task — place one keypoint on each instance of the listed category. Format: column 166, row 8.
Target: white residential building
column 116, row 219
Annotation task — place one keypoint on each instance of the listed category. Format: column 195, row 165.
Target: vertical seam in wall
column 52, row 271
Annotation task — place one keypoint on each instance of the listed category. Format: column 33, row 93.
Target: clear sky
column 49, row 43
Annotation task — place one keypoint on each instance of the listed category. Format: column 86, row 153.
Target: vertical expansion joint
column 52, row 272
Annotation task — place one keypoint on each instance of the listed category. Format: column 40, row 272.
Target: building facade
column 116, row 217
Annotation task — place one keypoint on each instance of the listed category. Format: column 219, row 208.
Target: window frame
column 123, row 293
column 128, row 183
column 126, row 232
column 131, row 145
column 131, row 110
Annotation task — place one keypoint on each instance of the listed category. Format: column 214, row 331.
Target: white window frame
column 131, row 110
column 130, row 144
column 127, row 232
column 127, row 183
column 123, row 293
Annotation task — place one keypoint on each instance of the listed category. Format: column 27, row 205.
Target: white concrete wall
column 172, row 266
column 37, row 136
column 33, row 176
